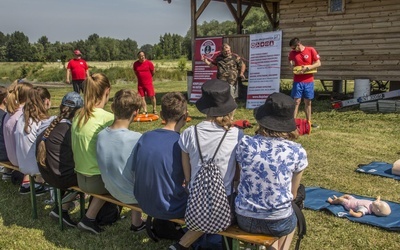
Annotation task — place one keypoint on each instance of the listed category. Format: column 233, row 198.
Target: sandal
column 155, row 112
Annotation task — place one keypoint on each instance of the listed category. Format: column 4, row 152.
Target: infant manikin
column 361, row 207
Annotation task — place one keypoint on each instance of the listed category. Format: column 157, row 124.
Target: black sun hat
column 216, row 99
column 277, row 113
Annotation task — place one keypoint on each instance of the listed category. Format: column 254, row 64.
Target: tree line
column 16, row 47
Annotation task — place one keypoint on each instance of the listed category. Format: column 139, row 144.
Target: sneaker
column 313, row 125
column 177, row 246
column 6, row 176
column 138, row 229
column 24, row 190
column 41, row 190
column 89, row 225
column 65, row 216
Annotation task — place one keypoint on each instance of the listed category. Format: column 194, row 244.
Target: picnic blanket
column 316, row 200
column 378, row 168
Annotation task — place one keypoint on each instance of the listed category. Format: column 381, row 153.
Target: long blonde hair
column 35, row 109
column 65, row 113
column 224, row 121
column 95, row 87
column 17, row 95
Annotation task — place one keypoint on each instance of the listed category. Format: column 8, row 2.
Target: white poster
column 264, row 67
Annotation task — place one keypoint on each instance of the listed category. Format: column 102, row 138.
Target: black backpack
column 163, row 229
column 108, row 214
column 298, row 205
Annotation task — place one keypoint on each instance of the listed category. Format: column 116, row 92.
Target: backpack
column 303, row 126
column 108, row 214
column 208, row 209
column 163, row 229
column 298, row 205
column 301, row 196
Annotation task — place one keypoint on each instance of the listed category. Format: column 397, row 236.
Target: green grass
column 346, row 138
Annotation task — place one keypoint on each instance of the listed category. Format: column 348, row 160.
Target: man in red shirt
column 78, row 69
column 303, row 81
column 144, row 70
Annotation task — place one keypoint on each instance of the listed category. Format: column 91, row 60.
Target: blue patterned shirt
column 267, row 166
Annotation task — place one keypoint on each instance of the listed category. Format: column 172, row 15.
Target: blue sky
column 65, row 21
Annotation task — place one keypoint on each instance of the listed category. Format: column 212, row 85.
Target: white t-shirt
column 210, row 135
column 26, row 144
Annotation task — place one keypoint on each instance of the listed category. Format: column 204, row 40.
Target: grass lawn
column 345, row 139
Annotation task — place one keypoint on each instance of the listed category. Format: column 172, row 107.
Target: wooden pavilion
column 355, row 39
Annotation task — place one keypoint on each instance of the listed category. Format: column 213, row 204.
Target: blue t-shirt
column 157, row 165
column 3, row 152
column 114, row 156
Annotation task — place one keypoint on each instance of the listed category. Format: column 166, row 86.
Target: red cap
column 77, row 52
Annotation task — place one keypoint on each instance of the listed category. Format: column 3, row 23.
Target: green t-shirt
column 84, row 139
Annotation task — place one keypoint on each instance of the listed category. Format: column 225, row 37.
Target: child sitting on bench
column 114, row 152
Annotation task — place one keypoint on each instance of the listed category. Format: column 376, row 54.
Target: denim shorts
column 303, row 90
column 277, row 228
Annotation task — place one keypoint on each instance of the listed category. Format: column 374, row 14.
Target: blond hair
column 224, row 121
column 17, row 95
column 35, row 109
column 126, row 102
column 95, row 87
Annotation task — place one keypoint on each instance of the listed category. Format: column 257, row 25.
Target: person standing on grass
column 271, row 166
column 158, row 166
column 230, row 68
column 87, row 123
column 144, row 71
column 303, row 82
column 54, row 153
column 114, row 152
column 79, row 70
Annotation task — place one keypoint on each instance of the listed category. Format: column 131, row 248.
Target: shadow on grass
column 23, row 232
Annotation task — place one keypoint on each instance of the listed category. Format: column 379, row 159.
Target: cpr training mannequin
column 396, row 167
column 359, row 207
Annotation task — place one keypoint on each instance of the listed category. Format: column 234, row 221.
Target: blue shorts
column 277, row 228
column 303, row 90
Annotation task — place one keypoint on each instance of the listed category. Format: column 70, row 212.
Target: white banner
column 264, row 67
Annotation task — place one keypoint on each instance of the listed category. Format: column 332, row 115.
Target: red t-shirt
column 78, row 69
column 144, row 72
column 306, row 57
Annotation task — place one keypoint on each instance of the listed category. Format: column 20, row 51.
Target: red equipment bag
column 303, row 126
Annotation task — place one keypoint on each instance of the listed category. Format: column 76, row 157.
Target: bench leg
column 82, row 203
column 33, row 197
column 227, row 244
column 59, row 204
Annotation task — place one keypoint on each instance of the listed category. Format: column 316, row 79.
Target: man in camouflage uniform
column 229, row 67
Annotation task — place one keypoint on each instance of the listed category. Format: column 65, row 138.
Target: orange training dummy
column 360, row 207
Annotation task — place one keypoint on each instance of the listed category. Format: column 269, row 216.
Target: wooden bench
column 57, row 194
column 9, row 165
column 233, row 232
